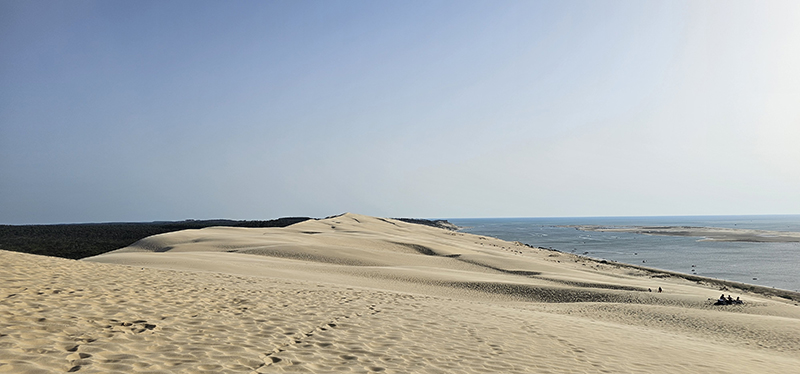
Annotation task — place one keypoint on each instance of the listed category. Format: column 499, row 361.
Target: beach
column 360, row 294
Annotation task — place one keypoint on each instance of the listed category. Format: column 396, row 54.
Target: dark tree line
column 78, row 241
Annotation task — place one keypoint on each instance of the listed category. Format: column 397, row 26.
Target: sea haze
column 765, row 264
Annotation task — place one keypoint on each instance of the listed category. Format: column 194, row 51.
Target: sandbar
column 720, row 234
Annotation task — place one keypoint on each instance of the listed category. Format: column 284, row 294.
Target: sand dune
column 363, row 294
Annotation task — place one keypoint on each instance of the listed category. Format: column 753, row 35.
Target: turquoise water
column 766, row 264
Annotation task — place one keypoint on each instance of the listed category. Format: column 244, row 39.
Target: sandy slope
column 362, row 294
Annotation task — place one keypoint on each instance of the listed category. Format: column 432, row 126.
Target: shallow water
column 766, row 264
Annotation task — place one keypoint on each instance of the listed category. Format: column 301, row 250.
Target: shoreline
column 767, row 263
column 747, row 287
column 761, row 290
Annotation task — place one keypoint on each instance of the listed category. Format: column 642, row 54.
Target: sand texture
column 719, row 234
column 358, row 294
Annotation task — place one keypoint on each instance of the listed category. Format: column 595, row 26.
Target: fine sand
column 719, row 234
column 361, row 294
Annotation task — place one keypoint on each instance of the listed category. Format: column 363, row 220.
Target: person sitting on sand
column 737, row 301
column 659, row 290
column 730, row 299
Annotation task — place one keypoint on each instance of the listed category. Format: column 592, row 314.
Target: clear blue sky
column 162, row 110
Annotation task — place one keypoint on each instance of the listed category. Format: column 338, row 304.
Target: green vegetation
column 77, row 241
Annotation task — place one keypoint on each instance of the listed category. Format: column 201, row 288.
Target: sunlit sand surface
column 361, row 294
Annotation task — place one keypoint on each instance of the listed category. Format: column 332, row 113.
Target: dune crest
column 354, row 293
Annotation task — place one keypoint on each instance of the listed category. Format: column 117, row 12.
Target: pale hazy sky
column 168, row 110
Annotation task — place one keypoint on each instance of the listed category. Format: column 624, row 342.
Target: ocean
column 765, row 264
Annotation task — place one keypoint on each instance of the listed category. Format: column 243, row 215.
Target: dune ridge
column 354, row 293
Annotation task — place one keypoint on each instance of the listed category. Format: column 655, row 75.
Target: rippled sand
column 361, row 294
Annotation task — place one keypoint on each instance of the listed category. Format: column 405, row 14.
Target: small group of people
column 728, row 301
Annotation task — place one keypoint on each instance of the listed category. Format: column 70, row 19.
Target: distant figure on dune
column 728, row 300
column 659, row 290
